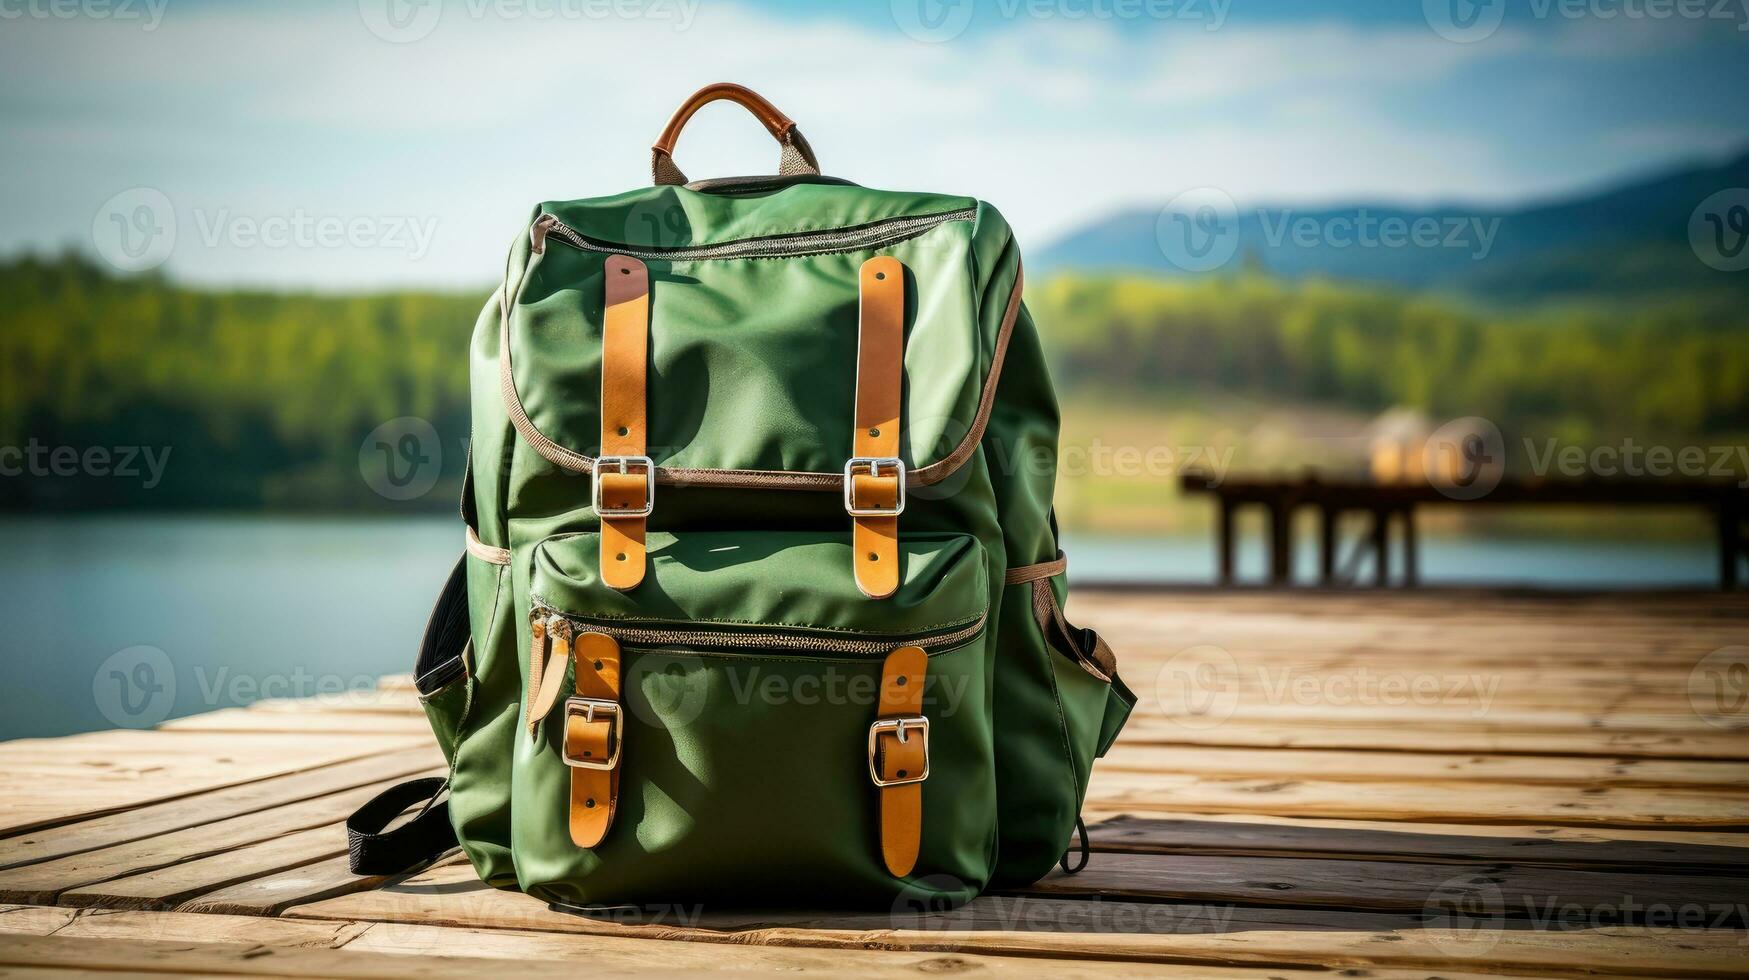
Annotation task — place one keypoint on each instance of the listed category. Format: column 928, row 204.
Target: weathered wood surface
column 1456, row 785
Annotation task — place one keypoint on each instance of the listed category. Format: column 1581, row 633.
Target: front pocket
column 750, row 674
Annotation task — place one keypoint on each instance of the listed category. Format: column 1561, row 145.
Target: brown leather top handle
column 798, row 156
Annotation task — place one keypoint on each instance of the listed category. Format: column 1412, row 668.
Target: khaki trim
column 1085, row 647
column 485, row 552
column 935, row 472
column 1032, row 573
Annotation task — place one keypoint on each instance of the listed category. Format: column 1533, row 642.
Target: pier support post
column 1225, row 545
column 1327, row 517
column 1730, row 542
column 1411, row 549
column 1281, row 542
column 1381, row 547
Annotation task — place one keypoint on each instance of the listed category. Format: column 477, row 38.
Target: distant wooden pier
column 1385, row 505
column 1316, row 785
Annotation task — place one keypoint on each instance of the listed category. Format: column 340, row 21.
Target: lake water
column 125, row 621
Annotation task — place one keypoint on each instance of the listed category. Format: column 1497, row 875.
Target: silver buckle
column 897, row 727
column 625, row 463
column 873, row 465
column 586, row 709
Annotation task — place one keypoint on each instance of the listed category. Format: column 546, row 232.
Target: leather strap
column 798, row 156
column 880, row 363
column 625, row 351
column 901, row 754
column 591, row 736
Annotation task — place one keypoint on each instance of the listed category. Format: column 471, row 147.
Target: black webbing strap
column 375, row 850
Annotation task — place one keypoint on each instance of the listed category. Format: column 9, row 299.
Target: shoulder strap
column 374, row 850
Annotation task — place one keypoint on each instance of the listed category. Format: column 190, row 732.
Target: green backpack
column 762, row 599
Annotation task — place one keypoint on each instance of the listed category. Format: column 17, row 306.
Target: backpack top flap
column 753, row 326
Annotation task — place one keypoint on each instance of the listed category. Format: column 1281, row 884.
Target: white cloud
column 301, row 107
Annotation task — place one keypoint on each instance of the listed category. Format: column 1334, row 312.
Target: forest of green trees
column 265, row 398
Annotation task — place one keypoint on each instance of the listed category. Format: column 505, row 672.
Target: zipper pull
column 537, row 658
column 546, row 670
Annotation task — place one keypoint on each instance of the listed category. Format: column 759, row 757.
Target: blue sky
column 427, row 128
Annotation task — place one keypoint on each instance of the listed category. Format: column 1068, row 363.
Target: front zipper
column 878, row 234
column 725, row 640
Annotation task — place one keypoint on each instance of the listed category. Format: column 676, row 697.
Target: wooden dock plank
column 161, row 943
column 1313, row 832
column 106, row 772
column 1426, row 843
column 1495, row 889
column 302, row 723
column 1398, row 767
column 40, row 883
column 274, row 893
column 1428, row 800
column 170, row 886
column 1148, row 728
column 1150, row 932
column 205, row 807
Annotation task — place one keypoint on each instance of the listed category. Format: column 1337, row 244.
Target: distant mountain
column 1632, row 239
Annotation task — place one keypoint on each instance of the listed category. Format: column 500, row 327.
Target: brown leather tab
column 592, row 733
column 625, row 351
column 546, row 668
column 900, row 754
column 880, row 370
